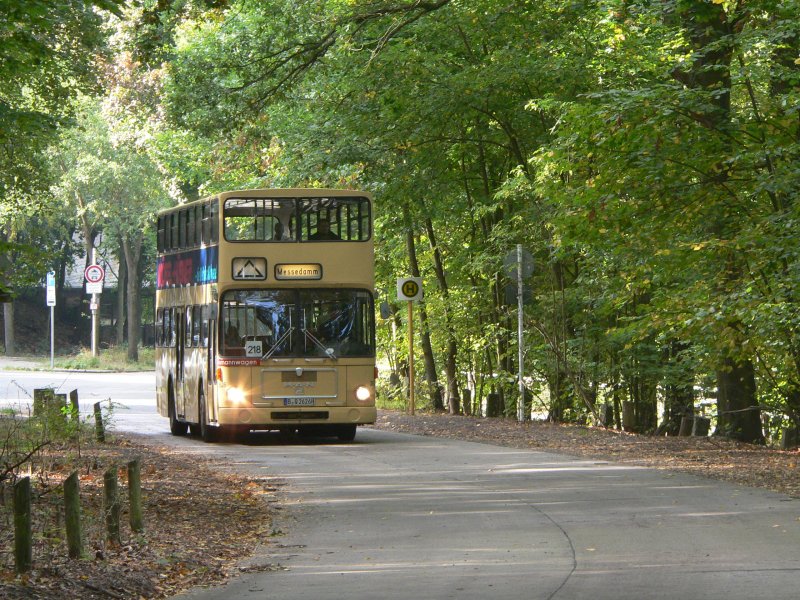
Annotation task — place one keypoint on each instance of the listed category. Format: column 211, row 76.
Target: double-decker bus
column 265, row 313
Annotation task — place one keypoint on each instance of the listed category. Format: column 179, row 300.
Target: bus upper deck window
column 258, row 219
column 335, row 218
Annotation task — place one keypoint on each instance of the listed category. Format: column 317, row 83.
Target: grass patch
column 111, row 359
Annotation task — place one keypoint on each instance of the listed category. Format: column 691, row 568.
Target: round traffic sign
column 512, row 261
column 94, row 273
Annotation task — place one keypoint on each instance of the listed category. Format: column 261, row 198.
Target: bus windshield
column 331, row 323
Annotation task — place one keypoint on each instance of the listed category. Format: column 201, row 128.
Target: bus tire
column 207, row 433
column 176, row 427
column 346, row 433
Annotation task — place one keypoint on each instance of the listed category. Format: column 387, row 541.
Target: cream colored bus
column 265, row 313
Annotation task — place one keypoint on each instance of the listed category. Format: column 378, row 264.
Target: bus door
column 180, row 399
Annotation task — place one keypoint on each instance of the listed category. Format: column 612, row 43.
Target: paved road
column 132, row 394
column 395, row 516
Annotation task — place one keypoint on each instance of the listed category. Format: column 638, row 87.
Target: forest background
column 644, row 152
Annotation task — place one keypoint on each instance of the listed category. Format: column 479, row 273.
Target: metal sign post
column 94, row 275
column 51, row 302
column 518, row 265
column 410, row 289
column 520, row 357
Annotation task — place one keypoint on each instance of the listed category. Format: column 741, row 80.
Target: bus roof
column 276, row 192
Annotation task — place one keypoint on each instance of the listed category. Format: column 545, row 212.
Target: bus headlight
column 363, row 393
column 235, row 396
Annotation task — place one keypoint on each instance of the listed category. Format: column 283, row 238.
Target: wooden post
column 466, row 401
column 23, row 539
column 701, row 426
column 99, row 430
column 628, row 416
column 411, row 357
column 111, row 506
column 135, row 495
column 72, row 515
column 74, row 407
column 789, row 438
column 42, row 399
column 493, row 406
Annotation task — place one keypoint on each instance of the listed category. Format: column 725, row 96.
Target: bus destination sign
column 285, row 272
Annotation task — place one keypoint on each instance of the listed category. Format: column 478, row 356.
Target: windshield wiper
column 274, row 347
column 326, row 350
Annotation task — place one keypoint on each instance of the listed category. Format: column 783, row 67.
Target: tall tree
column 123, row 188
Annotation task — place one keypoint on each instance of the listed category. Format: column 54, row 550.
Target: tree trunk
column 121, row 286
column 711, row 30
column 679, row 390
column 502, row 344
column 450, row 365
column 431, row 375
column 8, row 328
column 560, row 392
column 738, row 416
column 133, row 250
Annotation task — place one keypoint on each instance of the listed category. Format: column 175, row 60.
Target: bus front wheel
column 207, row 433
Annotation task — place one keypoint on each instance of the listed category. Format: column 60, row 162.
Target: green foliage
column 49, row 54
column 646, row 154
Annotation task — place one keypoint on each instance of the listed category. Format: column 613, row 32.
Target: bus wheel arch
column 346, row 433
column 207, row 432
column 176, row 427
column 194, row 426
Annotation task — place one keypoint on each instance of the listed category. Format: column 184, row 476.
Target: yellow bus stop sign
column 409, row 288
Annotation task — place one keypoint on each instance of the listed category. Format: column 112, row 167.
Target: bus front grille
column 296, row 415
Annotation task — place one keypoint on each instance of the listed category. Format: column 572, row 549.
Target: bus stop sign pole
column 410, row 289
column 411, row 356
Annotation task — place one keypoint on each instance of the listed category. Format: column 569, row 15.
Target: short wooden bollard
column 111, row 506
column 789, row 438
column 42, row 399
column 135, row 495
column 99, row 430
column 494, row 407
column 74, row 408
column 23, row 539
column 701, row 426
column 628, row 416
column 72, row 515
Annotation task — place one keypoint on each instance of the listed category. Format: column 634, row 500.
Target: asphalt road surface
column 395, row 516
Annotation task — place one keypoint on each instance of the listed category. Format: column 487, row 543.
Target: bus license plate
column 298, row 401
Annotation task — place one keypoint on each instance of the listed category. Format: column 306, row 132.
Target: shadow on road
column 277, row 438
